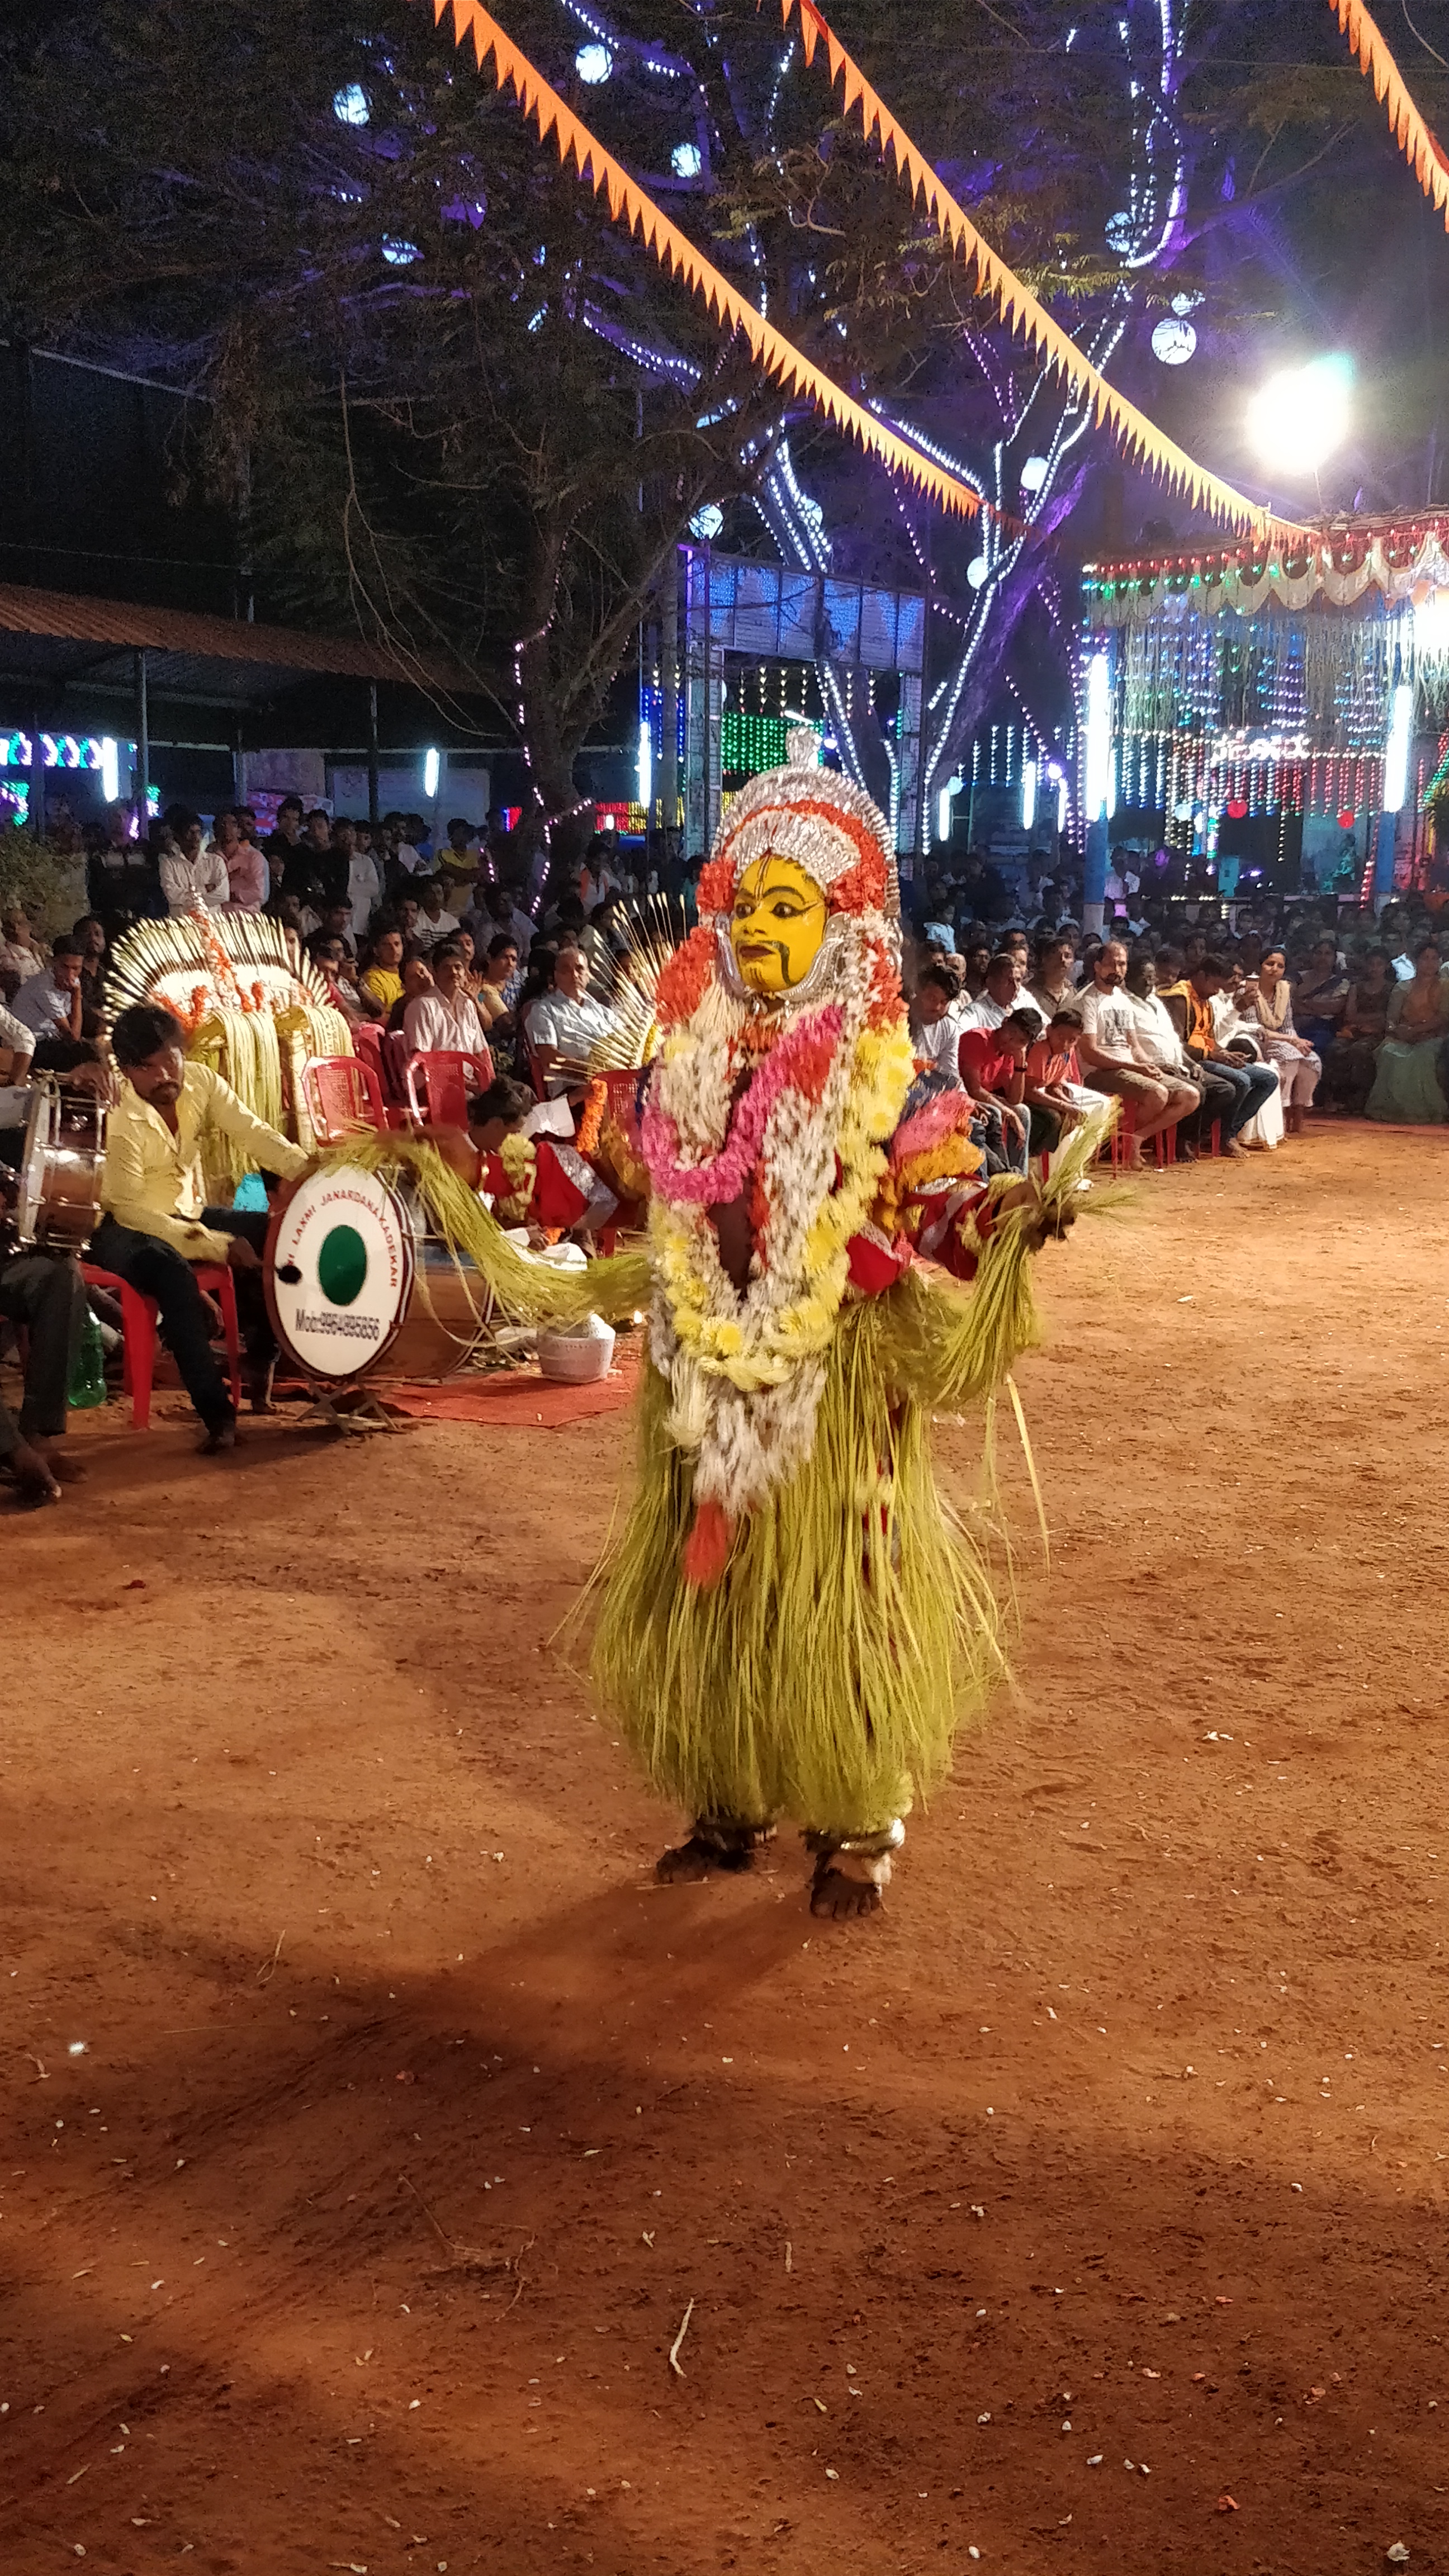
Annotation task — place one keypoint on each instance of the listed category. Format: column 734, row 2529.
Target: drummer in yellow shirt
column 156, row 1225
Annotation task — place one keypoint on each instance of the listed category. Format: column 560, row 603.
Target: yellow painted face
column 778, row 924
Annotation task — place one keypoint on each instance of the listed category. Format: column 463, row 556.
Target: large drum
column 358, row 1286
column 64, row 1157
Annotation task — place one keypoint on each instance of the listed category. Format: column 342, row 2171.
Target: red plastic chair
column 441, row 1084
column 138, row 1327
column 393, row 1049
column 343, row 1094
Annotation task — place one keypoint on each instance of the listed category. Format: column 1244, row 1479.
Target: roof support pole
column 141, row 772
column 374, row 789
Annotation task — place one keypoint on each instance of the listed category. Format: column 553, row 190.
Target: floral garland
column 800, row 1059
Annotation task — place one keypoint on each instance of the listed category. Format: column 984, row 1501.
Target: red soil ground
column 373, row 2120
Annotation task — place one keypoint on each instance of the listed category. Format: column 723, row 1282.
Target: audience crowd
column 1228, row 1028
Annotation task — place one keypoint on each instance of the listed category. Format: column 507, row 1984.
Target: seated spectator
column 52, row 1002
column 565, row 1026
column 1054, row 1091
column 326, row 952
column 417, row 979
column 992, row 1067
column 935, row 1027
column 1161, row 1041
column 381, row 980
column 1407, row 1090
column 1115, row 1061
column 246, row 869
column 498, row 984
column 1252, row 1084
column 193, row 879
column 976, row 955
column 19, row 956
column 1321, row 997
column 1352, row 1061
column 1003, row 988
column 17, row 1046
column 1017, row 946
column 1055, row 975
column 120, row 871
column 89, row 935
column 447, row 1020
column 42, row 1294
column 1267, row 1000
column 433, row 922
column 335, row 923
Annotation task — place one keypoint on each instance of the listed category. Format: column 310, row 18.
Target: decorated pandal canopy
column 1284, row 702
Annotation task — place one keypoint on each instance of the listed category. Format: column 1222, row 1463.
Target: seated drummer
column 156, row 1225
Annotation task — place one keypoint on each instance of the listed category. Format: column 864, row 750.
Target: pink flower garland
column 721, row 1179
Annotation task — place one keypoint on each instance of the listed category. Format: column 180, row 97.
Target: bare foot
column 219, row 1439
column 67, row 1469
column 32, row 1473
column 259, row 1390
column 837, row 1891
column 703, row 1854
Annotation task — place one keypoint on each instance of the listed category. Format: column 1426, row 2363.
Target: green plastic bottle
column 88, row 1373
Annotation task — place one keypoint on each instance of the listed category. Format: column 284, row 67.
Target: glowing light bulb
column 593, row 63
column 431, row 767
column 1300, row 416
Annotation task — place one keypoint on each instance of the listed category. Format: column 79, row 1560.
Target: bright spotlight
column 707, row 521
column 1099, row 783
column 349, row 105
column 1034, row 473
column 593, row 63
column 646, row 768
column 1396, row 750
column 1299, row 417
column 686, row 160
column 110, row 769
column 431, row 766
column 1028, row 794
column 944, row 802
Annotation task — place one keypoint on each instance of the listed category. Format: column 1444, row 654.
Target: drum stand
column 350, row 1411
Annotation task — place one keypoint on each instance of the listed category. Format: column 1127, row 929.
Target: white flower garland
column 746, row 1372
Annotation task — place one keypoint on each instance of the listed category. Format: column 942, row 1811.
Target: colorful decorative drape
column 1404, row 562
column 1136, row 435
column 1412, row 135
column 676, row 253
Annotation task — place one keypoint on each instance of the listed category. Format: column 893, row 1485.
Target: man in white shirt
column 1158, row 1036
column 194, row 879
column 566, row 1025
column 1115, row 1060
column 447, row 1020
column 1003, row 993
column 18, row 1042
column 50, row 1004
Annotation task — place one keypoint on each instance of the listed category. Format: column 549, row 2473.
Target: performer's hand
column 241, row 1255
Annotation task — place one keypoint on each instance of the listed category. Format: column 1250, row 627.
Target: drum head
column 339, row 1271
column 34, row 1163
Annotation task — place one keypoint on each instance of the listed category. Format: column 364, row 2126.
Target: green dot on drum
column 342, row 1265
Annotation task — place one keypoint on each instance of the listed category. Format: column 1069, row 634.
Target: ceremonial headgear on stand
column 823, row 822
